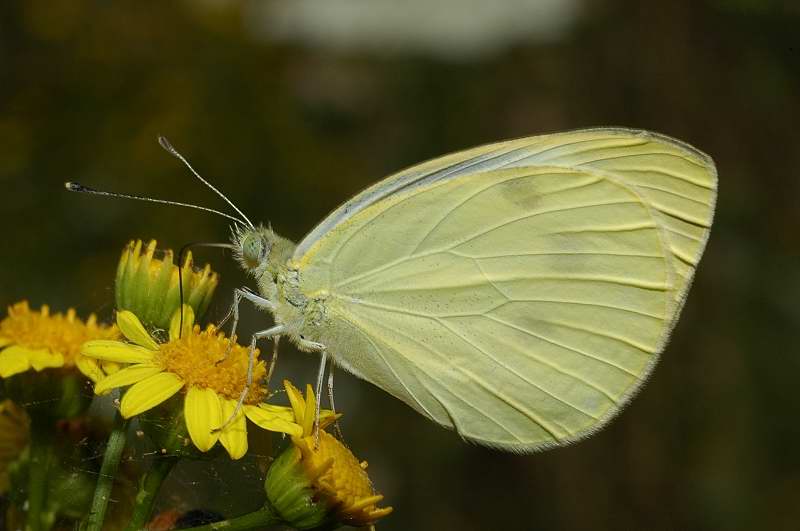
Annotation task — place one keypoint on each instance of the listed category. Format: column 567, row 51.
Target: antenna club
column 164, row 143
column 74, row 187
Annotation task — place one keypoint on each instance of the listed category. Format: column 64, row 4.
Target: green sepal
column 292, row 495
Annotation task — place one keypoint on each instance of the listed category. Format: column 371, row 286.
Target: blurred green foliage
column 290, row 130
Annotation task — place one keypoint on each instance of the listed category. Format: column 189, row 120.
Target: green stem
column 108, row 471
column 41, row 454
column 148, row 489
column 255, row 520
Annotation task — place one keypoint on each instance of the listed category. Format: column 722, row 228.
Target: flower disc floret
column 208, row 359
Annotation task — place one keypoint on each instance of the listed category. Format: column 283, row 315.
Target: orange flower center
column 202, row 359
column 57, row 333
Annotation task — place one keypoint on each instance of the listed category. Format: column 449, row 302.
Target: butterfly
column 519, row 293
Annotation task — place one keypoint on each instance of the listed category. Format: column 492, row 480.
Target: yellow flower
column 317, row 481
column 148, row 285
column 14, row 437
column 39, row 340
column 205, row 364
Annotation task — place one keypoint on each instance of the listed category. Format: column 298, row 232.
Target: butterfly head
column 253, row 247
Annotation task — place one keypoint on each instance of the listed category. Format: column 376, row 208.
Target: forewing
column 518, row 292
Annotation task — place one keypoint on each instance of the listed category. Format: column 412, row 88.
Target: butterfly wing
column 518, row 292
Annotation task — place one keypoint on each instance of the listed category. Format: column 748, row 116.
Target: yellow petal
column 296, row 400
column 5, row 341
column 127, row 376
column 110, row 367
column 234, row 436
column 268, row 421
column 110, row 350
column 149, row 393
column 90, row 368
column 327, row 417
column 310, row 412
column 44, row 359
column 13, row 360
column 283, row 412
column 175, row 331
column 134, row 330
column 203, row 413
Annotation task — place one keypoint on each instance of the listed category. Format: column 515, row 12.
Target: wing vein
column 538, row 154
column 583, row 303
column 447, row 215
column 472, row 377
column 651, row 286
column 564, row 253
column 621, row 339
column 470, row 238
column 562, row 345
column 542, row 389
column 533, row 215
column 650, row 153
column 460, row 167
column 392, row 370
column 618, row 228
column 681, row 216
column 668, row 174
column 484, row 189
column 667, row 154
column 681, row 233
column 670, row 192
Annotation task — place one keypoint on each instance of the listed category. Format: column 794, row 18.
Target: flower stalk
column 149, row 486
column 41, row 456
column 265, row 516
column 108, row 471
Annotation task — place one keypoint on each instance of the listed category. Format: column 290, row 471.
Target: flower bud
column 318, row 480
column 147, row 284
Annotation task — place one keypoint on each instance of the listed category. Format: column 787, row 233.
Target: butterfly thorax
column 302, row 313
column 264, row 255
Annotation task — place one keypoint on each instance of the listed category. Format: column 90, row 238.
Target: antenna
column 172, row 151
column 77, row 187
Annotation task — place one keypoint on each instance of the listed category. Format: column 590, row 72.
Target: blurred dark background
column 293, row 106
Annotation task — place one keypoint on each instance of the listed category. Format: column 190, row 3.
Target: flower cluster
column 41, row 340
column 159, row 358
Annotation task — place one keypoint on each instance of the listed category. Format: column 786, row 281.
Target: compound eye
column 254, row 250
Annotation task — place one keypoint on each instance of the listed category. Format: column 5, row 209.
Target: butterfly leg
column 313, row 346
column 273, row 361
column 320, row 378
column 273, row 332
column 243, row 293
column 330, row 400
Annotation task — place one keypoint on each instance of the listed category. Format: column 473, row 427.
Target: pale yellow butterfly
column 519, row 292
